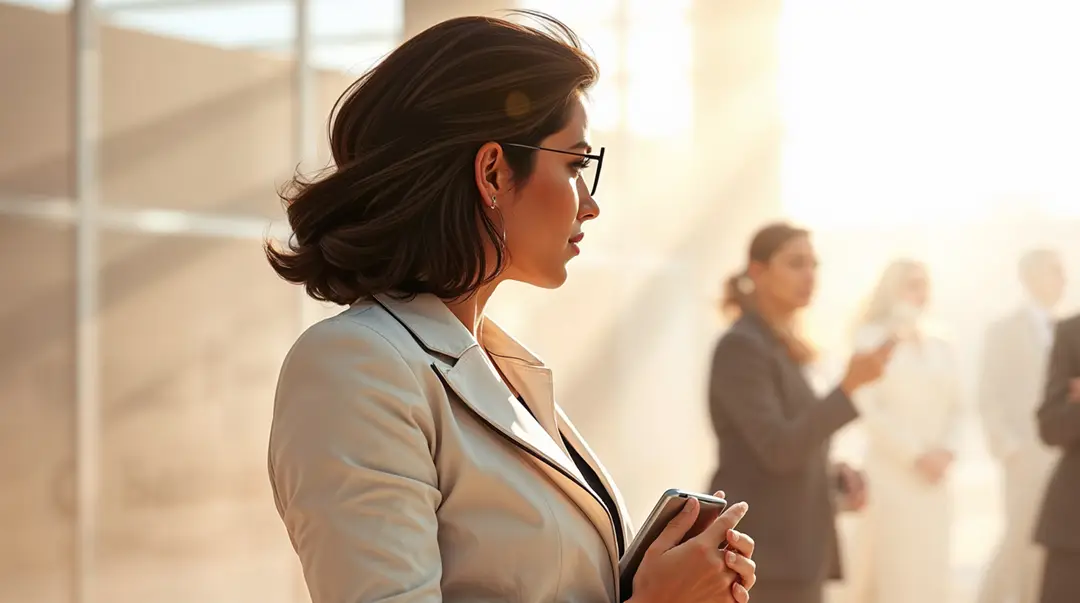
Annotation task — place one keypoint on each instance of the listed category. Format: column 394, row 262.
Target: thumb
column 676, row 529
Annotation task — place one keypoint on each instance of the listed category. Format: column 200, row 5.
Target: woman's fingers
column 715, row 534
column 740, row 543
column 740, row 593
column 738, row 552
column 745, row 567
column 676, row 529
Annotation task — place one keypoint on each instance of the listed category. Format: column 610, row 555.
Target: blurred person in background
column 416, row 451
column 1011, row 385
column 911, row 416
column 1058, row 526
column 773, row 431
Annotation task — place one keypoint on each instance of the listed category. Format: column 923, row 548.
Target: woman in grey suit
column 417, row 453
column 773, row 430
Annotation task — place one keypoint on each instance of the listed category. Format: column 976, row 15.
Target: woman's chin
column 552, row 279
column 555, row 280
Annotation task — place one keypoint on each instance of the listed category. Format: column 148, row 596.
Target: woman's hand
column 867, row 367
column 740, row 550
column 1074, row 390
column 853, row 488
column 934, row 464
column 698, row 569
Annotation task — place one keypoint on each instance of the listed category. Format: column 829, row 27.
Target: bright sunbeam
column 922, row 111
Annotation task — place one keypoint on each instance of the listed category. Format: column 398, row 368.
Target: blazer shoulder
column 365, row 325
column 365, row 341
column 743, row 336
column 355, row 356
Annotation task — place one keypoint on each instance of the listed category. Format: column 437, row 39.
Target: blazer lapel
column 535, row 384
column 477, row 384
column 575, row 440
column 475, row 381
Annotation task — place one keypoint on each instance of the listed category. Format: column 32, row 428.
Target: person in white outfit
column 910, row 416
column 1011, row 386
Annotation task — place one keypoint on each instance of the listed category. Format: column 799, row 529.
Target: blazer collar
column 430, row 322
column 436, row 327
column 756, row 322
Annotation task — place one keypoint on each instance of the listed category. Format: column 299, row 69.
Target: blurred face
column 786, row 282
column 915, row 289
column 1046, row 282
column 543, row 216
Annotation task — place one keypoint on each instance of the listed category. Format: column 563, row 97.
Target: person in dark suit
column 773, row 430
column 1059, row 425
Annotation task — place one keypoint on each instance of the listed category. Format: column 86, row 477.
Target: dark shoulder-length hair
column 399, row 210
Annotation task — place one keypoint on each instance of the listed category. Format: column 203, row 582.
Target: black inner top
column 594, row 482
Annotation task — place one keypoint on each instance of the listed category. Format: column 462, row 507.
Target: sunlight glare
column 915, row 113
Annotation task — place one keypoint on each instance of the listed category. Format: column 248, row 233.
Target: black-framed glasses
column 590, row 169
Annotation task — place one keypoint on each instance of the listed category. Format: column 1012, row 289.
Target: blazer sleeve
column 743, row 392
column 1001, row 435
column 1059, row 419
column 350, row 459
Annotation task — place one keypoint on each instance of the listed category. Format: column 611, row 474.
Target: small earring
column 745, row 285
column 493, row 202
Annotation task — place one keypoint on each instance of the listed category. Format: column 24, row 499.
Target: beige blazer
column 404, row 470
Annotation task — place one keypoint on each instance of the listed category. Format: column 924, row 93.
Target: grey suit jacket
column 405, row 471
column 1059, row 425
column 774, row 444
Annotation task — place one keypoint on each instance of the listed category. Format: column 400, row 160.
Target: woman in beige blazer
column 417, row 452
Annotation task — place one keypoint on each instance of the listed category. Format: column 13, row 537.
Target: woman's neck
column 781, row 320
column 470, row 310
column 776, row 315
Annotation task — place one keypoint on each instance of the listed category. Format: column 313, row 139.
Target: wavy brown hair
column 399, row 210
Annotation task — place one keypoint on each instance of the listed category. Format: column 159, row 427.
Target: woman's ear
column 490, row 171
column 755, row 269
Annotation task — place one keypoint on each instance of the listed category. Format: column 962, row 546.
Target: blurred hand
column 853, row 489
column 698, row 569
column 934, row 464
column 1074, row 390
column 867, row 367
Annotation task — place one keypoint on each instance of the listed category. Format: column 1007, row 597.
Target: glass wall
column 37, row 410
column 142, row 328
